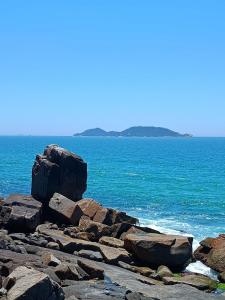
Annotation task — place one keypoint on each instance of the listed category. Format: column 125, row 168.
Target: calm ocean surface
column 174, row 184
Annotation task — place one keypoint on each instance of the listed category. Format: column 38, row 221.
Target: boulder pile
column 55, row 244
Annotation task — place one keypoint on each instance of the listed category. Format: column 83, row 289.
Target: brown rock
column 93, row 270
column 156, row 249
column 89, row 207
column 50, row 260
column 66, row 209
column 211, row 252
column 114, row 255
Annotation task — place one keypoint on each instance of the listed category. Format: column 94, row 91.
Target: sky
column 66, row 66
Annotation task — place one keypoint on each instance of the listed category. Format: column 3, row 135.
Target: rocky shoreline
column 55, row 244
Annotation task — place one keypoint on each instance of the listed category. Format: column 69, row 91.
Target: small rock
column 163, row 271
column 50, row 260
column 53, row 245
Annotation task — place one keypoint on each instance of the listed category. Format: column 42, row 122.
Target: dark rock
column 117, row 230
column 9, row 282
column 58, row 171
column 221, row 277
column 156, row 249
column 21, row 213
column 211, row 252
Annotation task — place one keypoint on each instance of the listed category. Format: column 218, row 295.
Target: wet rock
column 111, row 241
column 198, row 281
column 9, row 282
column 30, row 283
column 21, row 213
column 211, row 252
column 156, row 249
column 93, row 270
column 58, row 171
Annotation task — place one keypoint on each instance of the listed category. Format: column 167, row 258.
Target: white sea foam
column 195, row 267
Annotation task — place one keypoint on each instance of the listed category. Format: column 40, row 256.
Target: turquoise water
column 174, row 184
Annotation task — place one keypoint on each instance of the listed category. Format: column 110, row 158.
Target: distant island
column 136, row 131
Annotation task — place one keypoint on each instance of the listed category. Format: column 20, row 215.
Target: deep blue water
column 174, row 183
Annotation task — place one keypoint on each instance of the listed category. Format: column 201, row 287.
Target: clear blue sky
column 66, row 66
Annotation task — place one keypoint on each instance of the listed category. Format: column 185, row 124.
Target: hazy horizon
column 68, row 67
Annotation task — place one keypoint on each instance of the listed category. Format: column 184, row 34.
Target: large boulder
column 61, row 171
column 31, row 285
column 21, row 213
column 172, row 251
column 212, row 253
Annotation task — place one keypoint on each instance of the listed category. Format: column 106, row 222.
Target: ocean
column 176, row 185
